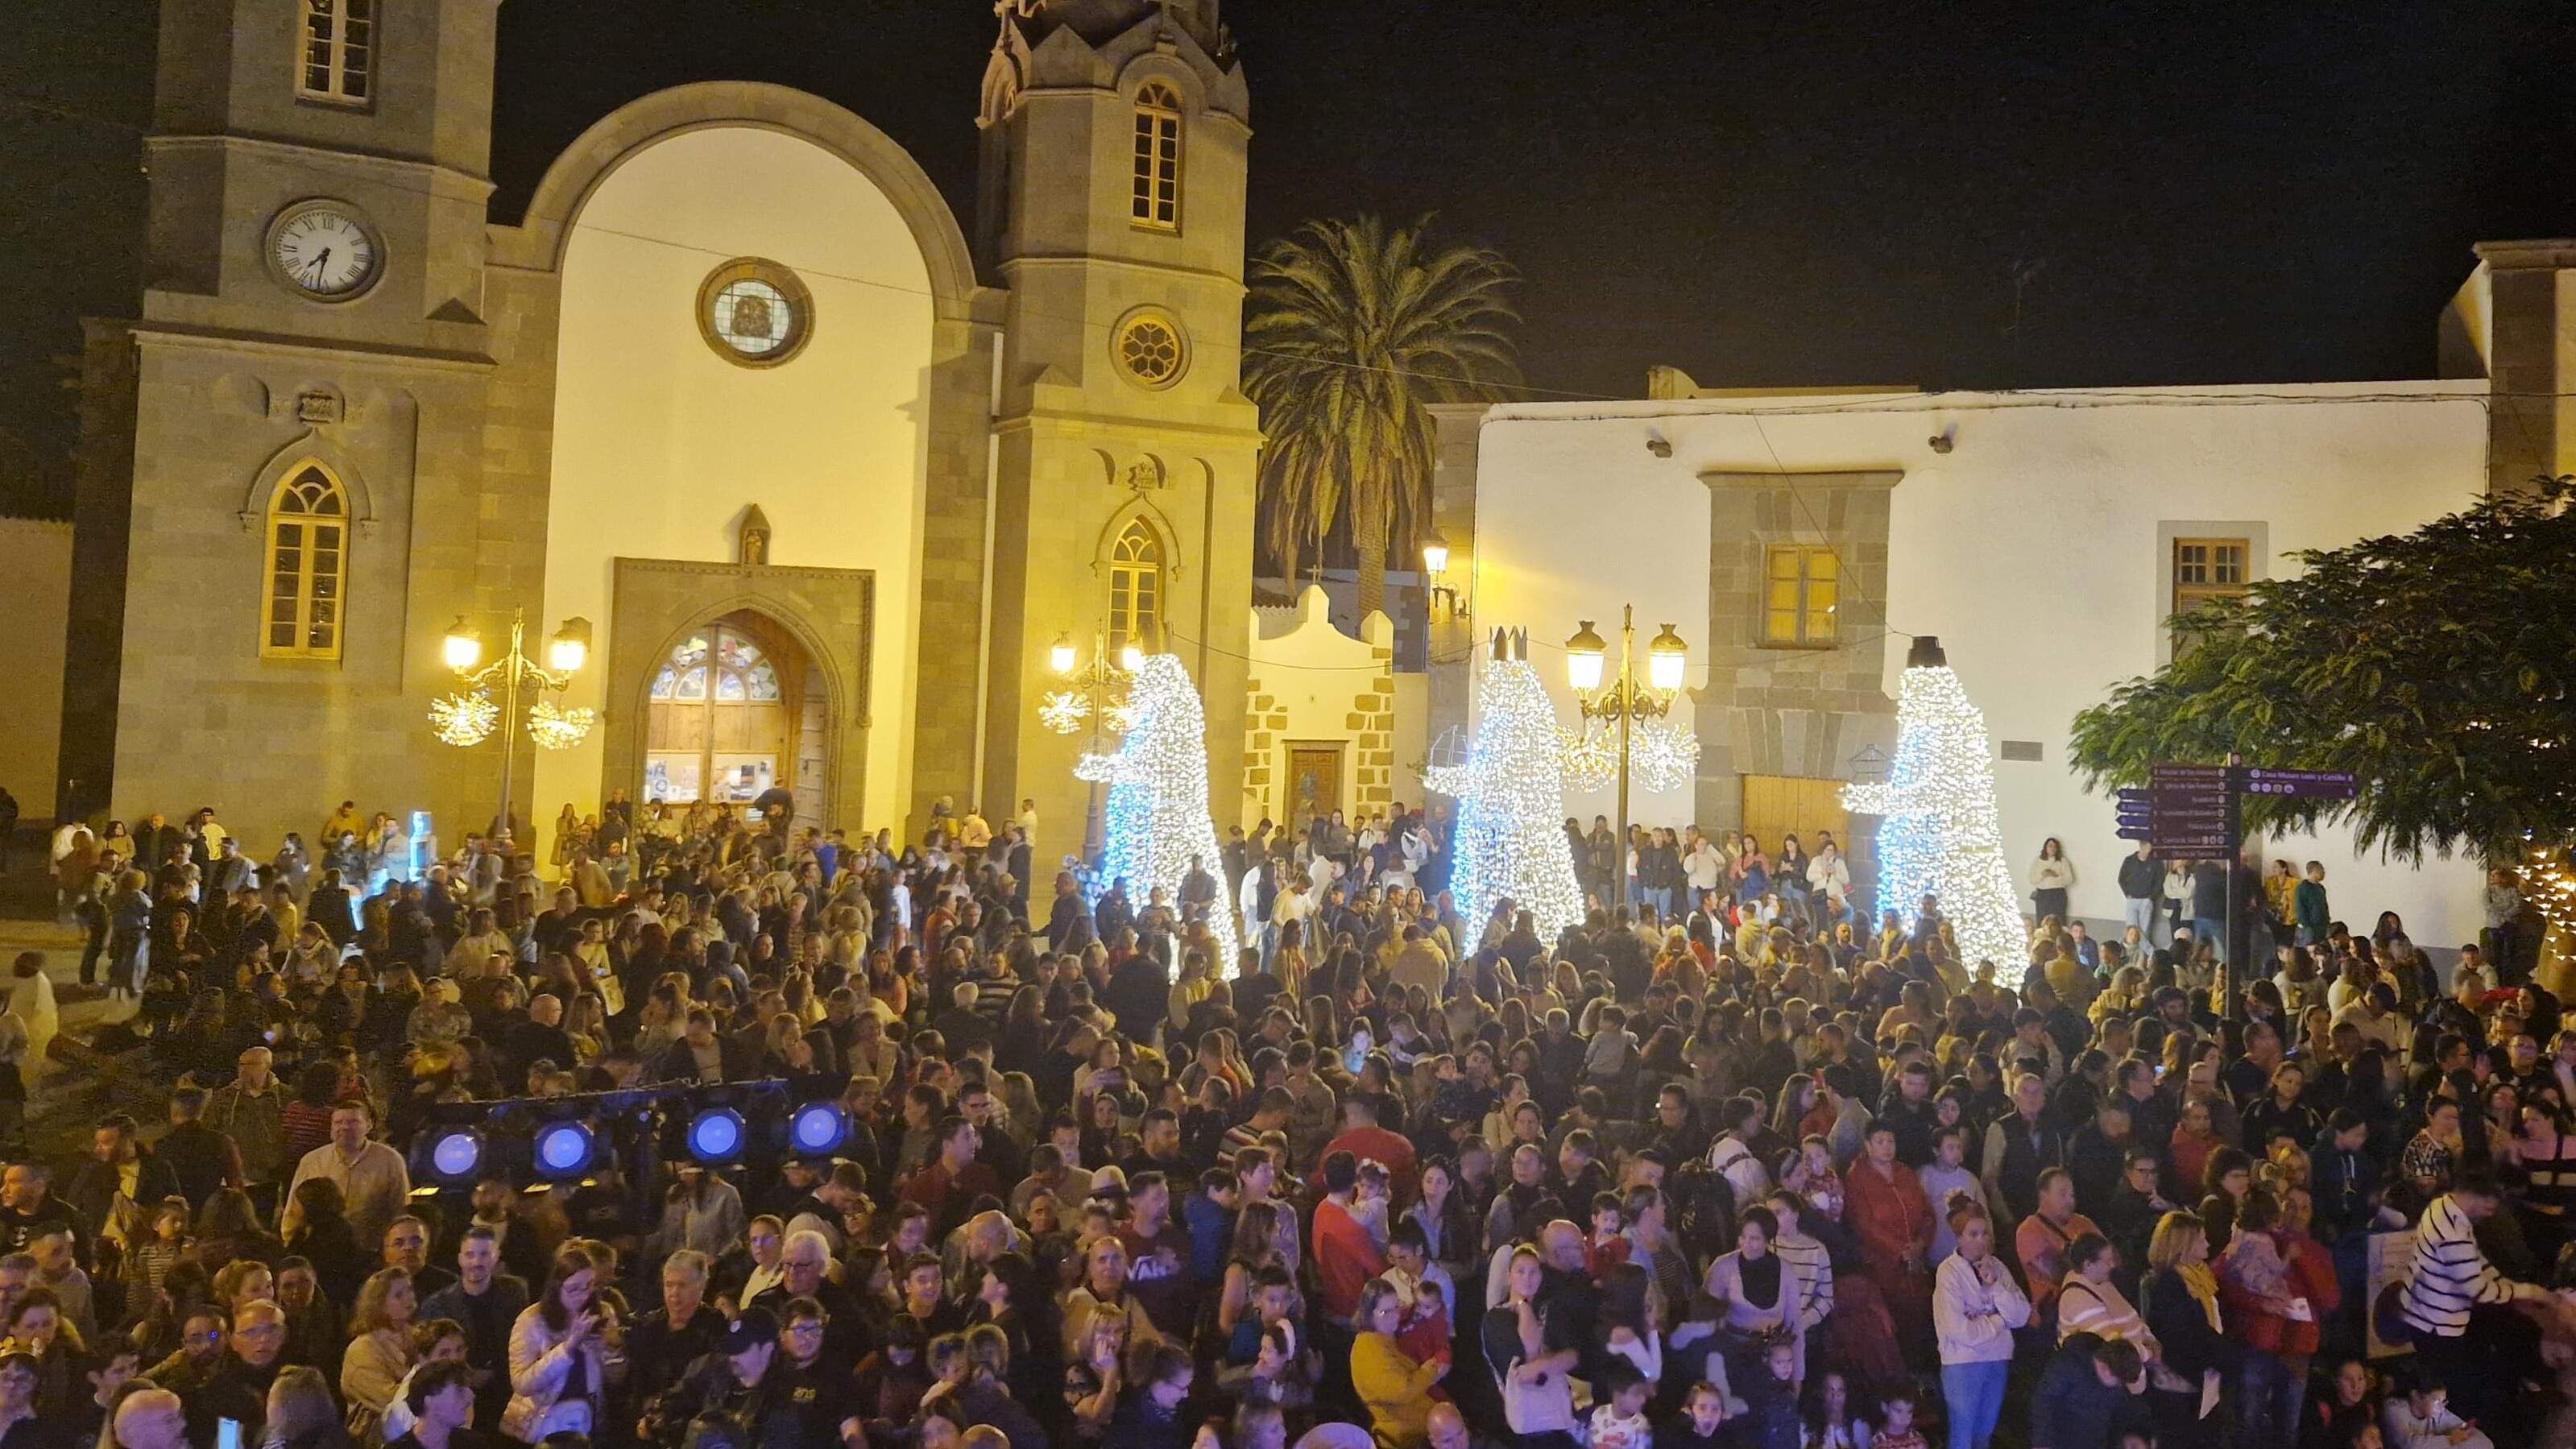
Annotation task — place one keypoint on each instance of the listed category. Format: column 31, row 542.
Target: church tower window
column 1136, row 590
column 1158, row 158
column 308, row 566
column 338, row 51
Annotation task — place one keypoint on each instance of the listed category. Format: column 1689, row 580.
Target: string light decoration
column 1938, row 833
column 555, row 728
column 1157, row 816
column 1591, row 757
column 2548, row 881
column 1510, row 839
column 1064, row 711
column 464, row 719
column 1664, row 757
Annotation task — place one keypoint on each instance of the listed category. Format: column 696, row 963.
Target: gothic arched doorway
column 735, row 708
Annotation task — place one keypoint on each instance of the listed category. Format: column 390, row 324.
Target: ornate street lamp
column 468, row 717
column 1627, row 700
column 1094, row 694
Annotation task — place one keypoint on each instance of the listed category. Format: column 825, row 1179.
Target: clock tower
column 280, row 499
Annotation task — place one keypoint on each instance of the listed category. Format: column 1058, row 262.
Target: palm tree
column 1350, row 327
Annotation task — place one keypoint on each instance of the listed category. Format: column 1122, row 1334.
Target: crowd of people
column 1725, row 1163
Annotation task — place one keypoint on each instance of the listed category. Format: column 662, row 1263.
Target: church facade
column 819, row 478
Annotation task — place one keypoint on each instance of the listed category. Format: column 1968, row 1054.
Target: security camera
column 1658, row 444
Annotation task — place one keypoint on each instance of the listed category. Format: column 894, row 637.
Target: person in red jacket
column 1366, row 1141
column 1346, row 1257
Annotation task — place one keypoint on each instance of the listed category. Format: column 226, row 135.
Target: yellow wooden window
column 1157, row 201
column 2209, row 568
column 1136, row 590
column 308, row 567
column 336, row 52
column 1800, row 592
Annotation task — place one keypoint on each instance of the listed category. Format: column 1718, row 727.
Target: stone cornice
column 1775, row 478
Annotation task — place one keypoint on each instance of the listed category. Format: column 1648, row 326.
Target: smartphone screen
column 228, row 1434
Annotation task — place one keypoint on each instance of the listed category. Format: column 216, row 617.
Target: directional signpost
column 2194, row 812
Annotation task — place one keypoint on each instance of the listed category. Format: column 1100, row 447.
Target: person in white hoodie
column 1975, row 1308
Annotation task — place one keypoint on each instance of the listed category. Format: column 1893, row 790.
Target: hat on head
column 755, row 1327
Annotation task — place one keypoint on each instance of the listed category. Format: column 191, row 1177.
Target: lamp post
column 1626, row 699
column 1440, row 598
column 461, row 722
column 1090, row 693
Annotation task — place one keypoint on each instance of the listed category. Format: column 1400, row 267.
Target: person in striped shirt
column 2448, row 1280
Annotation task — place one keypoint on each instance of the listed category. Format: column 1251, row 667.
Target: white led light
column 1663, row 757
column 1510, row 839
column 1156, row 817
column 1938, row 833
column 1591, row 757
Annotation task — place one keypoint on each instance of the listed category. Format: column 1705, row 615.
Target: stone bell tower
column 281, row 460
column 1111, row 207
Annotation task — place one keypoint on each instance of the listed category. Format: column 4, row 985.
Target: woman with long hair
column 558, row 1360
column 324, row 1238
column 380, row 1348
column 2051, row 876
column 1396, row 1388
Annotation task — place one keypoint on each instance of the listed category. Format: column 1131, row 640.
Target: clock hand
column 320, row 261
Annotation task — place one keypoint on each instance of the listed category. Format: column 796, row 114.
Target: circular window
column 755, row 313
column 1149, row 349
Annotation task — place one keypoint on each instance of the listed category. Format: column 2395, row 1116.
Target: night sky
column 1762, row 192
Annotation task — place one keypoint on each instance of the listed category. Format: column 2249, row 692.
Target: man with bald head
column 1448, row 1427
column 152, row 1419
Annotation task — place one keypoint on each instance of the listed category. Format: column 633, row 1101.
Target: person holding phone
column 557, row 1358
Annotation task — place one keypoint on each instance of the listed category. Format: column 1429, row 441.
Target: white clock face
column 323, row 250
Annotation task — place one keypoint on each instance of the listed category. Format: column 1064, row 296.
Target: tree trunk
column 1372, row 577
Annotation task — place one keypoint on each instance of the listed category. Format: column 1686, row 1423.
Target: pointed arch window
column 1157, row 204
column 335, row 59
column 308, row 566
column 1136, row 590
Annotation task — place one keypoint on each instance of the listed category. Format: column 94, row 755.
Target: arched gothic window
column 1136, row 590
column 1158, row 158
column 308, row 566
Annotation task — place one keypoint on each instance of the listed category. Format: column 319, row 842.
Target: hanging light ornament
column 1663, row 756
column 558, row 729
column 1591, row 757
column 1118, row 718
column 2548, row 880
column 1064, row 711
column 464, row 719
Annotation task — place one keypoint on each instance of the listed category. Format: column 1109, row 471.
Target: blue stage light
column 564, row 1149
column 456, row 1155
column 818, row 1129
column 716, row 1136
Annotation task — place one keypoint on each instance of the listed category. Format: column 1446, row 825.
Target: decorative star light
column 558, row 729
column 1591, row 757
column 1064, row 711
column 464, row 719
column 1663, row 756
